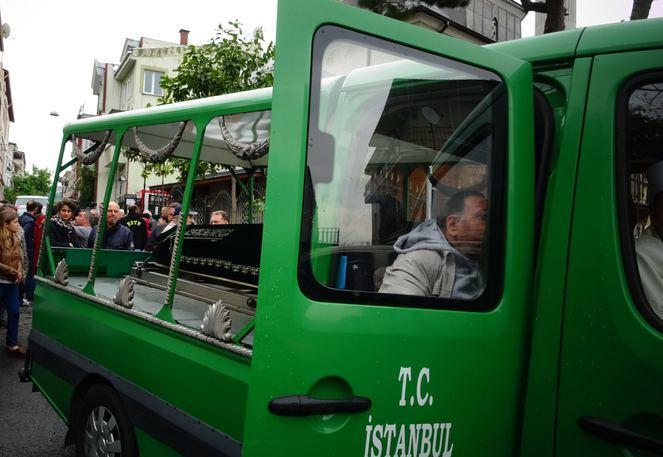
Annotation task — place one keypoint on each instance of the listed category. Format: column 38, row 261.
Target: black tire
column 102, row 426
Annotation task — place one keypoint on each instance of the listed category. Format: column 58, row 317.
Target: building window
column 126, row 94
column 152, row 82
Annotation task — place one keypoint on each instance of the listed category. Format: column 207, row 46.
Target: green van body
column 559, row 361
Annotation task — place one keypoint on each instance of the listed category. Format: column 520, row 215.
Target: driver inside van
column 648, row 246
column 442, row 260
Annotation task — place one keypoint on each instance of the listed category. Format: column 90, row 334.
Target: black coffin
column 224, row 251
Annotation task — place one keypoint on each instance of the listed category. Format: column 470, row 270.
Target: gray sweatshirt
column 429, row 265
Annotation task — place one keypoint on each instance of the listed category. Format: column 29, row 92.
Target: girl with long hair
column 12, row 273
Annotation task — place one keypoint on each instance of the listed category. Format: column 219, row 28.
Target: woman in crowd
column 12, row 273
column 61, row 228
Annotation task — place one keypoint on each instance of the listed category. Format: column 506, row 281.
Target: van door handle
column 303, row 405
column 617, row 434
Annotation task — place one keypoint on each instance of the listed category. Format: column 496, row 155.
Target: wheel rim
column 102, row 434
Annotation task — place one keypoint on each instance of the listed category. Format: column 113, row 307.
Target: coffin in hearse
column 228, row 252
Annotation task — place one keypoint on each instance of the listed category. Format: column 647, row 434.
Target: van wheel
column 102, row 428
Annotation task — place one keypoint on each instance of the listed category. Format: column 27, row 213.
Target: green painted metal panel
column 204, row 381
column 625, row 36
column 204, row 109
column 57, row 391
column 611, row 357
column 541, row 401
column 559, row 46
column 311, row 347
column 110, row 262
column 150, row 446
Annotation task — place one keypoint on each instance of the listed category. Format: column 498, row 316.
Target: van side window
column 642, row 144
column 405, row 162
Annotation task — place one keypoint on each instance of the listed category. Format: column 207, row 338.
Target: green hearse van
column 457, row 256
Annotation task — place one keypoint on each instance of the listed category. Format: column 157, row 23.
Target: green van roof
column 588, row 41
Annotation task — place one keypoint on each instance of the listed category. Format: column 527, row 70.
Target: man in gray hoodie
column 442, row 263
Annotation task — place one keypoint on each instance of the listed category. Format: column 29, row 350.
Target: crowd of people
column 18, row 247
column 135, row 230
column 70, row 226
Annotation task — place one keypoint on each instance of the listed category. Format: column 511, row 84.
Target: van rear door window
column 643, row 215
column 405, row 158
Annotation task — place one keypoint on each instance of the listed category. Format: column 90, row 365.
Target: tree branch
column 538, row 7
column 640, row 9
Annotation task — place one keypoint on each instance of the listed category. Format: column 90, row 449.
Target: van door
column 383, row 131
column 611, row 372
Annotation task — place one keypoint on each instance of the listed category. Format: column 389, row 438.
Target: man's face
column 112, row 214
column 466, row 231
column 217, row 219
column 171, row 214
column 81, row 220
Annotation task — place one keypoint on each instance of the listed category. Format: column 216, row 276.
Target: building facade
column 18, row 160
column 6, row 116
column 133, row 83
column 481, row 21
column 13, row 164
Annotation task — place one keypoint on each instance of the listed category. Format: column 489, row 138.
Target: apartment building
column 133, row 83
column 481, row 21
column 6, row 116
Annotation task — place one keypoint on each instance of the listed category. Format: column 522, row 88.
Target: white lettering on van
column 414, row 440
column 422, row 398
column 405, row 375
column 410, row 440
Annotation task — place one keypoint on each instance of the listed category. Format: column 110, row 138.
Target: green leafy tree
column 36, row 183
column 85, row 186
column 231, row 62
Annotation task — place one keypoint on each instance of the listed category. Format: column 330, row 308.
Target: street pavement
column 29, row 427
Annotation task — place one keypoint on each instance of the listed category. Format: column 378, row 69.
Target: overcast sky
column 53, row 44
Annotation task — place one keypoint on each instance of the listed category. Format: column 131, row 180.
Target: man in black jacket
column 117, row 236
column 27, row 222
column 135, row 222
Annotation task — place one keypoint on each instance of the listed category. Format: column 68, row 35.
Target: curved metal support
column 173, row 259
column 62, row 273
column 249, row 151
column 152, row 155
column 89, row 158
column 125, row 293
column 216, row 322
column 97, row 242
